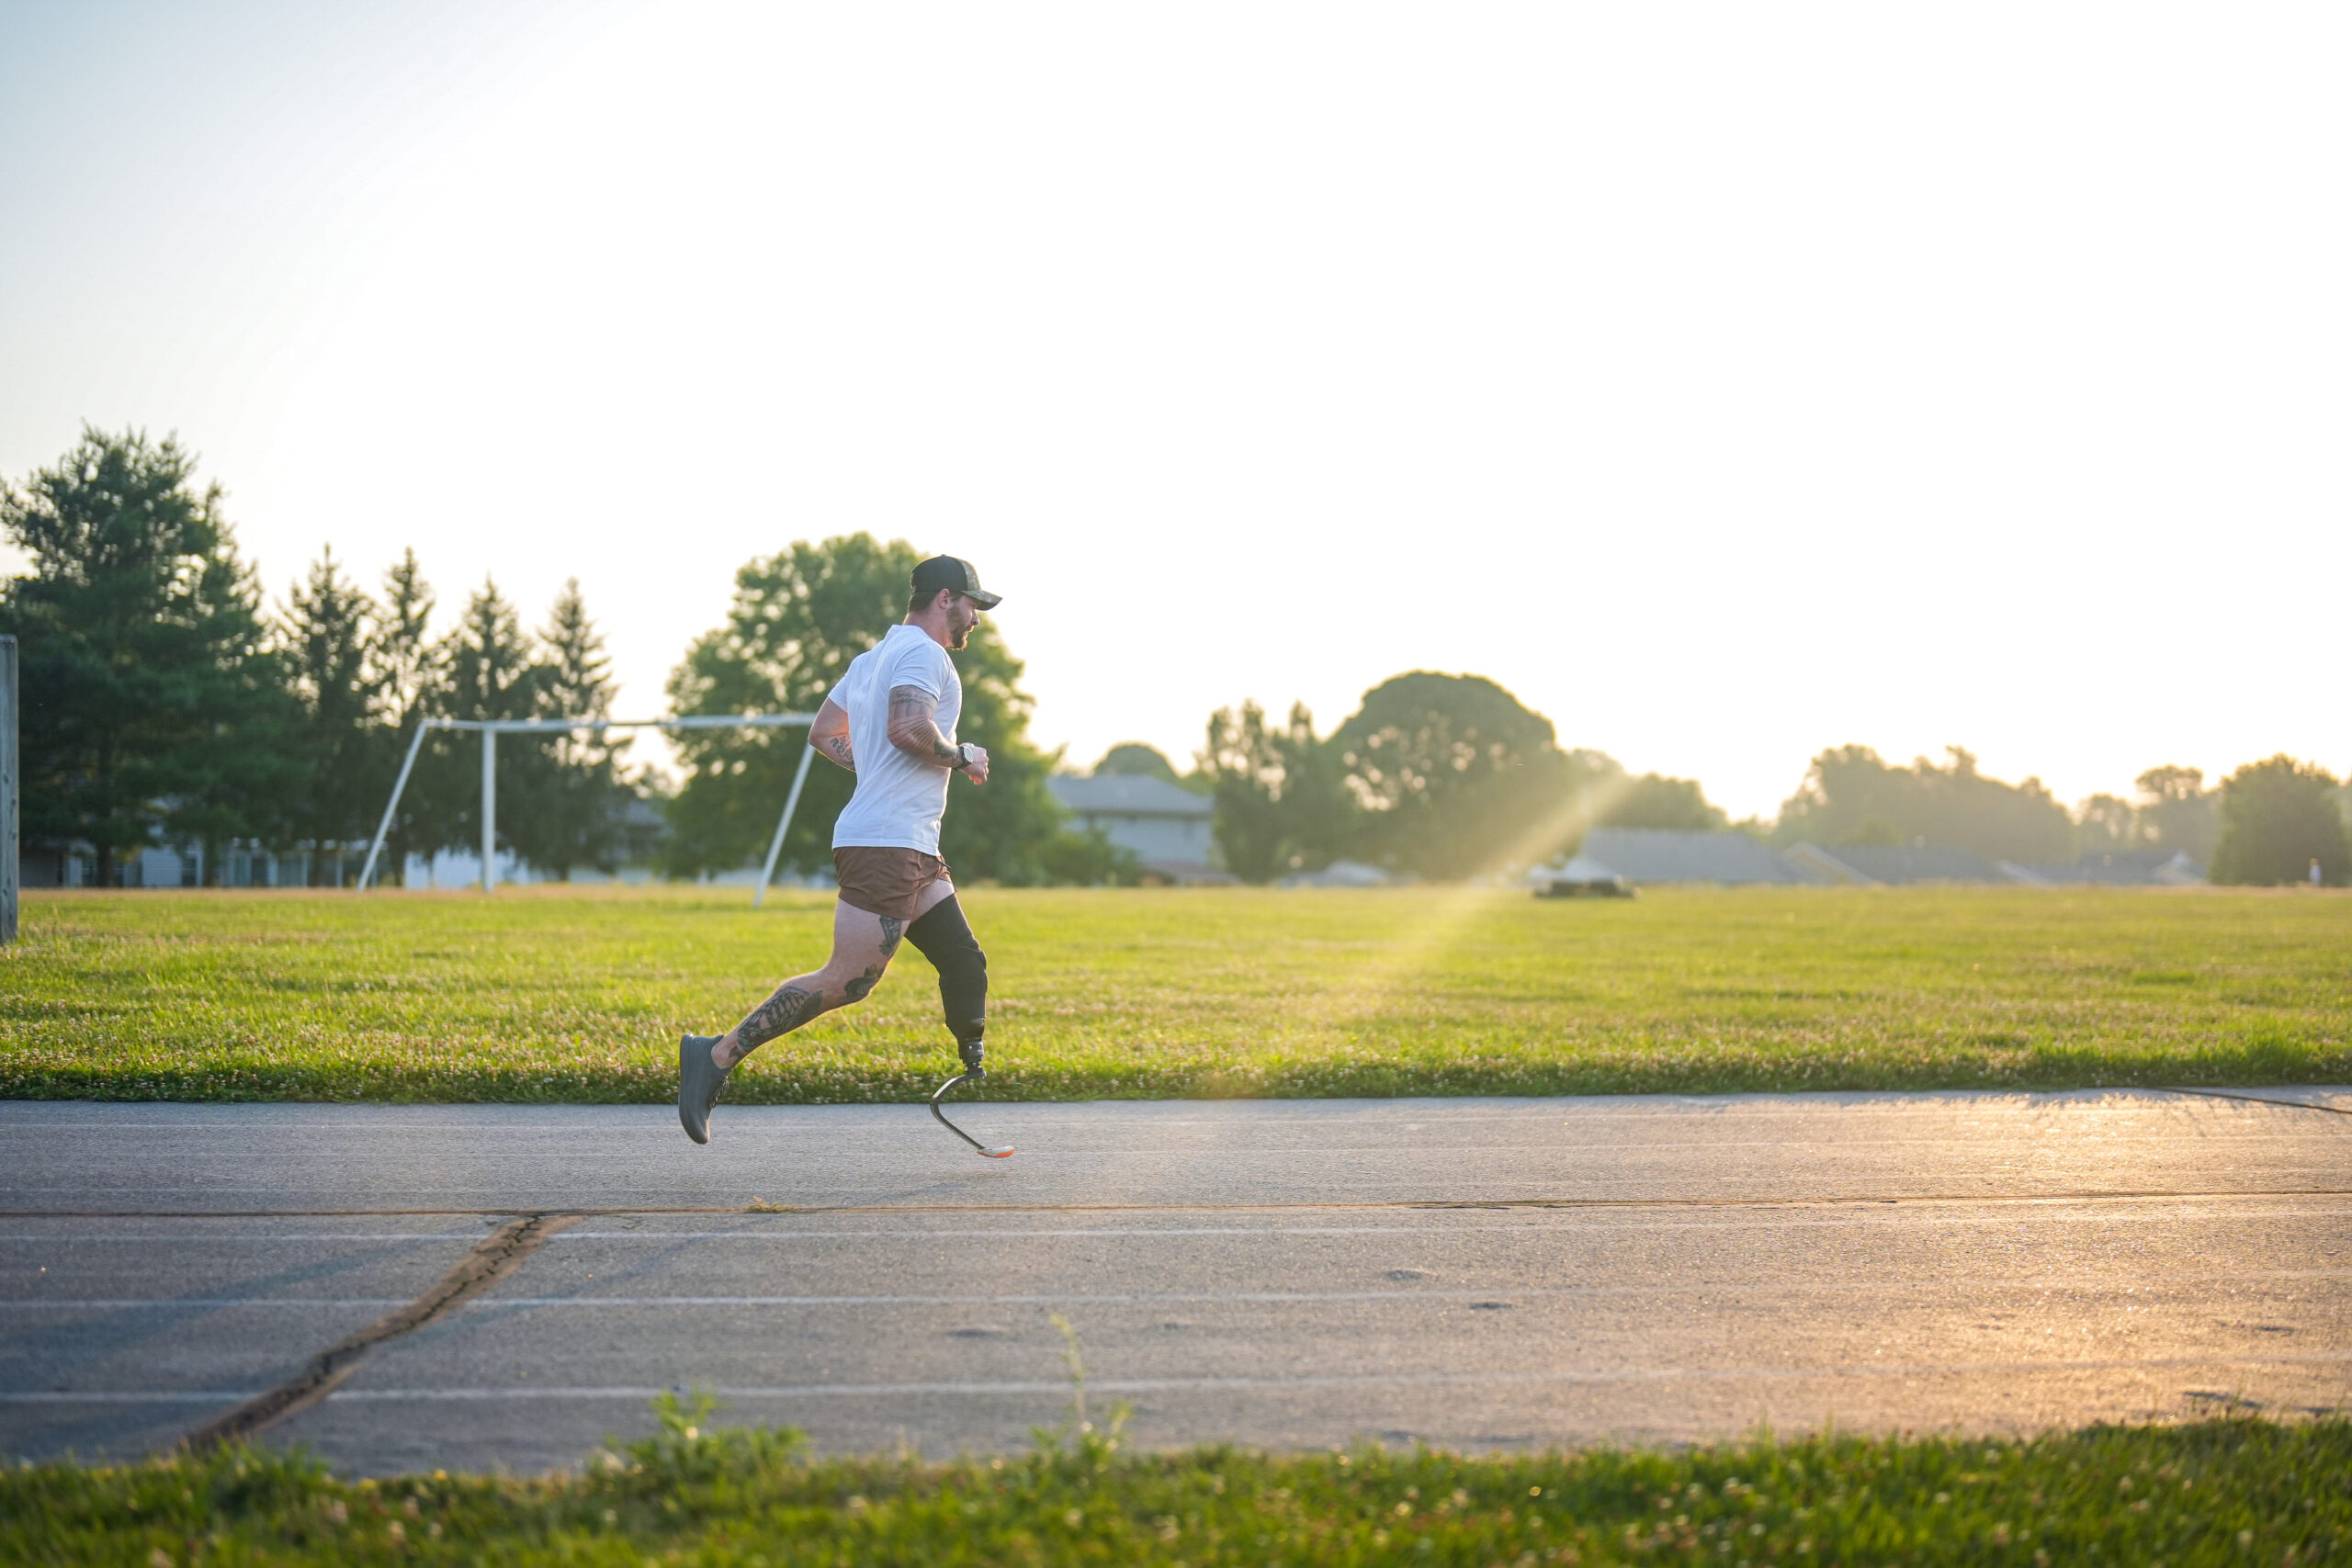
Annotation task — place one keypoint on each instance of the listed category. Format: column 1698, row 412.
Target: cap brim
column 984, row 600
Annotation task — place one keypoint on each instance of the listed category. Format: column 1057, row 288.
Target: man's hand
column 914, row 729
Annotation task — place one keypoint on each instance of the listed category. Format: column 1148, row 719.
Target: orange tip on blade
column 998, row 1153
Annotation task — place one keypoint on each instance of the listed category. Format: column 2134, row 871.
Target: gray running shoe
column 700, row 1079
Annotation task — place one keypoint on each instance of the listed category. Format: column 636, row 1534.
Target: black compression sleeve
column 944, row 937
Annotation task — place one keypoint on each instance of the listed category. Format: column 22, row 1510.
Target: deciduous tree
column 2278, row 819
column 2107, row 824
column 1133, row 759
column 1654, row 800
column 1453, row 777
column 1851, row 795
column 798, row 619
column 1281, row 803
column 2178, row 813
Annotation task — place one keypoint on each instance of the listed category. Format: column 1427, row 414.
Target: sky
column 1729, row 382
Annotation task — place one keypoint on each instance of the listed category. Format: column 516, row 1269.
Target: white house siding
column 1153, row 819
column 1153, row 838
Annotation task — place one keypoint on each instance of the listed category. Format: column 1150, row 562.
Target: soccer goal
column 492, row 728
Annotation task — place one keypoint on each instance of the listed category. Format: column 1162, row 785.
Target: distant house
column 1165, row 826
column 2124, row 868
column 241, row 864
column 1641, row 855
column 1871, row 865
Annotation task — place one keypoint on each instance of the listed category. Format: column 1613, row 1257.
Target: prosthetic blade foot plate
column 1003, row 1152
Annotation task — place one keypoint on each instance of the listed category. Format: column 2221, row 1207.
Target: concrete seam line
column 1917, row 1200
column 350, row 1214
column 2262, row 1099
column 492, row 1260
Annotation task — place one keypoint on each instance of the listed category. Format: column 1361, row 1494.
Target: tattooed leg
column 781, row 1014
column 855, row 989
column 863, row 946
column 796, row 1001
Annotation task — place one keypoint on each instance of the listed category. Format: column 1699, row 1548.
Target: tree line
column 1448, row 776
column 2268, row 823
column 164, row 701
column 1440, row 776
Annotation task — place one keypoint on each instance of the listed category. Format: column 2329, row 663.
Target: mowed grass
column 2221, row 1492
column 548, row 994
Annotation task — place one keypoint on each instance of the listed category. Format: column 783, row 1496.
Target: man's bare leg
column 863, row 945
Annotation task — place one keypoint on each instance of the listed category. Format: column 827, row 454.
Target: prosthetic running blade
column 1004, row 1152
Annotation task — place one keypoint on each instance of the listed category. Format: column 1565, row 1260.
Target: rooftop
column 1126, row 795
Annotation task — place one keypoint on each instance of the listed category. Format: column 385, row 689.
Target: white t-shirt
column 899, row 800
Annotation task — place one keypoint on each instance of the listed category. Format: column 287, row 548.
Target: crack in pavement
column 497, row 1256
column 2265, row 1099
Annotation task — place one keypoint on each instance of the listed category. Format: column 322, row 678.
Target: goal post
column 492, row 728
column 10, row 772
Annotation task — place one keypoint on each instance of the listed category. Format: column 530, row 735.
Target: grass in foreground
column 2232, row 1491
column 556, row 995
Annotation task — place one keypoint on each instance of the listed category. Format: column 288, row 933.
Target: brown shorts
column 884, row 880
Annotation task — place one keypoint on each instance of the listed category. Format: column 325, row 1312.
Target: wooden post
column 9, row 782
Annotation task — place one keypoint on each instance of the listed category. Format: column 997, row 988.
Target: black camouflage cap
column 946, row 572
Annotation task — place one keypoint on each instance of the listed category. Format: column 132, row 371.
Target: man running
column 891, row 721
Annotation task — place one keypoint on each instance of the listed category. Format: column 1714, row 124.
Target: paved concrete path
column 1483, row 1273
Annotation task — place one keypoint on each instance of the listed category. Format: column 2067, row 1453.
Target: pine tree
column 401, row 662
column 328, row 630
column 578, row 680
column 239, row 772
column 153, row 705
column 403, row 666
column 487, row 669
column 490, row 668
column 578, row 820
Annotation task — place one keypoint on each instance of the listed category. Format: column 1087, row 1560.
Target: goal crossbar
column 492, row 728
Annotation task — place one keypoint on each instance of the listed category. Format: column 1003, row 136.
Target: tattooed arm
column 829, row 735
column 914, row 729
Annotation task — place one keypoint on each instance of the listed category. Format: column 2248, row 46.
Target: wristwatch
column 962, row 753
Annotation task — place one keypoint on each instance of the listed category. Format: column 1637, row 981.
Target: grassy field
column 2234, row 1492
column 558, row 994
